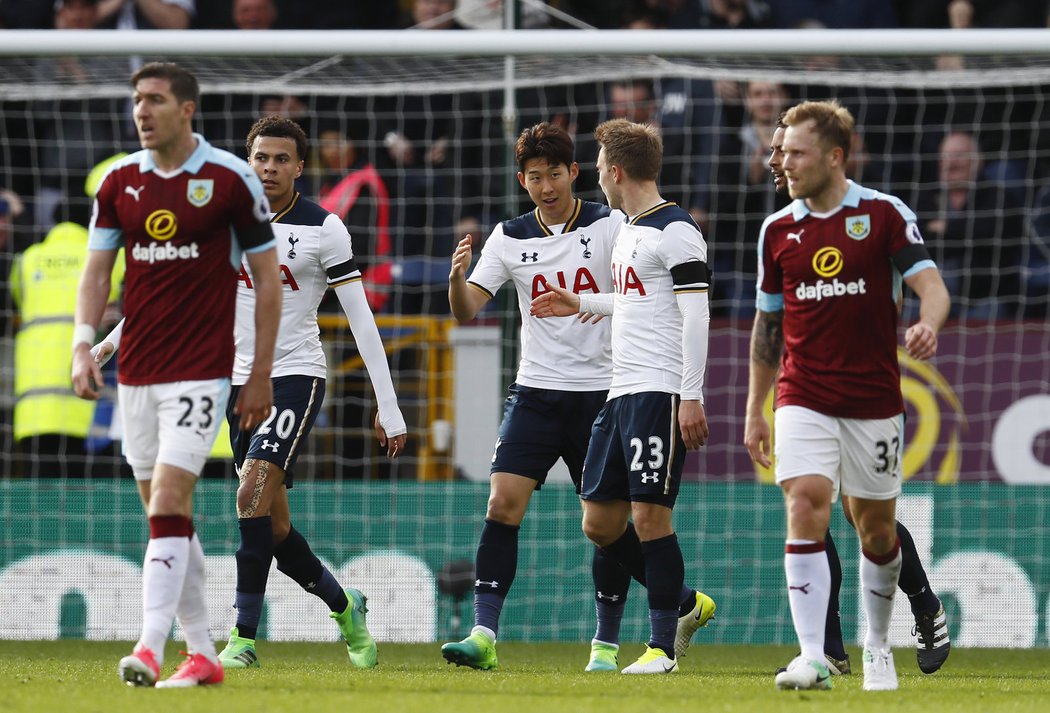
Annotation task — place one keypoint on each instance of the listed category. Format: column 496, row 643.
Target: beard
column 818, row 185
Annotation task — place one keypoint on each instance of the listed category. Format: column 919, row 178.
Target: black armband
column 254, row 235
column 342, row 270
column 691, row 274
column 908, row 256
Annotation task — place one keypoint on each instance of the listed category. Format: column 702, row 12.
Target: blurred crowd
column 459, row 14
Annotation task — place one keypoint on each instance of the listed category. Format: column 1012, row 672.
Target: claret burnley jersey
column 837, row 277
column 313, row 249
column 560, row 353
column 183, row 232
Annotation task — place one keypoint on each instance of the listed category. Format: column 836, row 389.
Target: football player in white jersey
column 655, row 408
column 315, row 254
column 562, row 381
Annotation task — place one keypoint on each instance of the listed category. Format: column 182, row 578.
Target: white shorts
column 861, row 457
column 174, row 423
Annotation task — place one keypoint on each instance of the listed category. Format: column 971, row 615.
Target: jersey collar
column 192, row 165
column 800, row 210
column 646, row 213
column 277, row 216
column 570, row 224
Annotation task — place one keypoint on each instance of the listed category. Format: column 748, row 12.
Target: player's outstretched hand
column 461, row 259
column 693, row 423
column 556, row 302
column 395, row 445
column 254, row 402
column 87, row 375
column 920, row 341
column 757, row 440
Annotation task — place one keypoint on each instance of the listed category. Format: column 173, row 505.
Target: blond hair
column 636, row 148
column 832, row 123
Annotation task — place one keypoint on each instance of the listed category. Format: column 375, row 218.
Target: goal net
column 955, row 124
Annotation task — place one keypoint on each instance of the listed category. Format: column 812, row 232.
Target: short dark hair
column 183, row 84
column 545, row 140
column 280, row 127
column 636, row 148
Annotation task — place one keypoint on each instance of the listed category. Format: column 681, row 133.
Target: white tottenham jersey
column 559, row 353
column 647, row 324
column 313, row 248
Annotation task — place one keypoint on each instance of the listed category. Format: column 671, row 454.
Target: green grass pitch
column 534, row 678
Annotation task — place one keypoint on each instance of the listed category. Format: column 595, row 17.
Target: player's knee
column 168, row 501
column 505, row 509
column 251, row 500
column 598, row 531
column 878, row 537
column 281, row 528
column 804, row 510
column 652, row 528
column 244, row 499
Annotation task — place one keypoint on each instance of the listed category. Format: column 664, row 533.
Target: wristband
column 83, row 334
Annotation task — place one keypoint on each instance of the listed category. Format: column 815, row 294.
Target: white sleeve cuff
column 602, row 303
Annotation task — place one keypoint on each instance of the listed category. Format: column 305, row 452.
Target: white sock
column 486, row 631
column 163, row 572
column 809, row 588
column 878, row 584
column 193, row 607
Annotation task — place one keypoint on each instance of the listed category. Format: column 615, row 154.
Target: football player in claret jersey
column 655, row 407
column 831, row 267
column 315, row 254
column 562, row 381
column 184, row 212
column 931, row 625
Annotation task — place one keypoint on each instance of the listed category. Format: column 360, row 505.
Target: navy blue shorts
column 636, row 451
column 280, row 438
column 541, row 425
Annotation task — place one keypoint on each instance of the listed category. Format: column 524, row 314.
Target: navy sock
column 833, row 645
column 686, row 600
column 628, row 552
column 664, row 625
column 298, row 561
column 494, row 569
column 665, row 574
column 913, row 580
column 611, row 582
column 253, row 569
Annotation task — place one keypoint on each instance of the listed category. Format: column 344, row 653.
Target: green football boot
column 239, row 652
column 477, row 651
column 360, row 645
column 603, row 657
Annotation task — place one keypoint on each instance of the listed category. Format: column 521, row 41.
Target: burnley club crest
column 199, row 191
column 858, row 226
